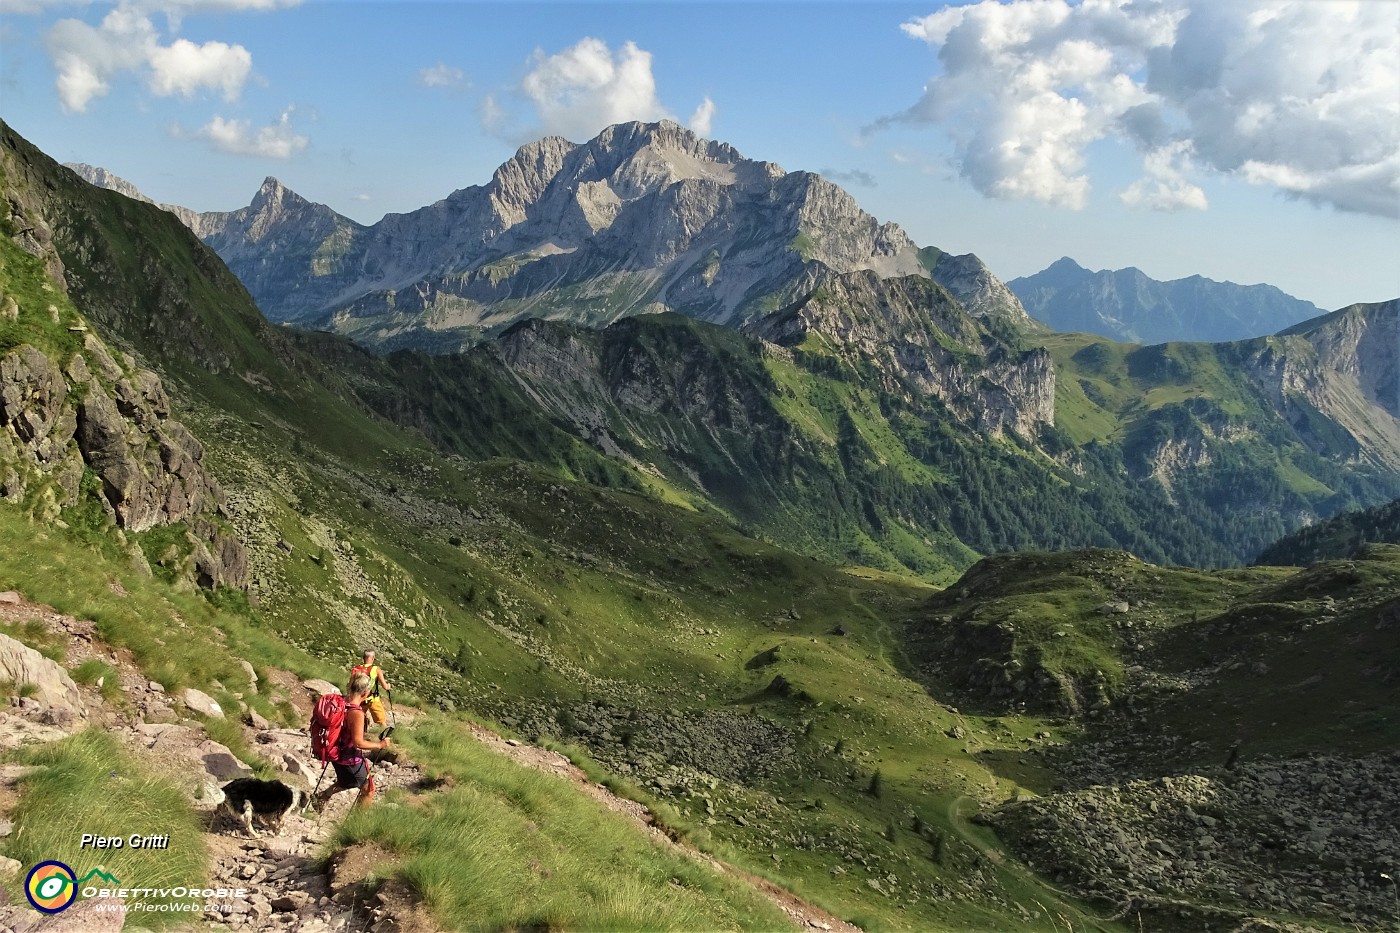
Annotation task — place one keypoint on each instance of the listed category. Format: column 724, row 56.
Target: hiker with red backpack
column 338, row 740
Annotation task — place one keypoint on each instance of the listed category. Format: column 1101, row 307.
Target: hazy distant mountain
column 643, row 218
column 1128, row 305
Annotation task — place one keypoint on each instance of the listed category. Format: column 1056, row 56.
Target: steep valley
column 743, row 575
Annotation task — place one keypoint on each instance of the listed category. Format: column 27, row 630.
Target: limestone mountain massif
column 643, row 218
column 1127, row 305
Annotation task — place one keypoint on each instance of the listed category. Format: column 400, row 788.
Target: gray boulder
column 53, row 688
column 220, row 762
column 202, row 703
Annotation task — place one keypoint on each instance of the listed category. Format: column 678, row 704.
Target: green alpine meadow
column 735, row 563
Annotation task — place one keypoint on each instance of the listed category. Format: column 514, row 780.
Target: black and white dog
column 267, row 802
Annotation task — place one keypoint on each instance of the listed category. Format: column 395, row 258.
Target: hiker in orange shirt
column 373, row 705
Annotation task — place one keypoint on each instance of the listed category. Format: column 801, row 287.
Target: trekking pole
column 312, row 802
column 393, row 716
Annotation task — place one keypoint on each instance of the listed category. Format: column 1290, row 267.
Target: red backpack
column 327, row 719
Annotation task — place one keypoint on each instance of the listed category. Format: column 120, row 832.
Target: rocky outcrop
column 920, row 339
column 38, row 678
column 56, row 424
column 37, row 425
column 77, row 410
column 985, row 296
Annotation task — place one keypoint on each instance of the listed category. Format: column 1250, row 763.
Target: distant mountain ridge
column 828, row 422
column 643, row 218
column 1127, row 305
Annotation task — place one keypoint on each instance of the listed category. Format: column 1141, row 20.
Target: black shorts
column 351, row 775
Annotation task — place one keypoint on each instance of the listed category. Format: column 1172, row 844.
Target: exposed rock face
column 645, row 217
column 607, row 386
column 1127, row 305
column 62, row 416
column 1345, row 368
column 145, row 486
column 921, row 339
column 968, row 279
column 41, row 425
column 149, row 465
column 52, row 687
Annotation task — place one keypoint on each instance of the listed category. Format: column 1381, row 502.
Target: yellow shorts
column 376, row 711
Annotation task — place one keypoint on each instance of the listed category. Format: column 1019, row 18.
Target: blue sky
column 1249, row 141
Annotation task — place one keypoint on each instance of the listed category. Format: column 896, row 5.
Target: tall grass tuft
column 505, row 847
column 87, row 784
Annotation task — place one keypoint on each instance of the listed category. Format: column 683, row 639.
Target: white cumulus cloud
column 183, row 68
column 582, row 89
column 1302, row 96
column 87, row 59
column 586, row 87
column 1165, row 186
column 239, row 137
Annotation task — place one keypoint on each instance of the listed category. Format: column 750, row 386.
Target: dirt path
column 290, row 889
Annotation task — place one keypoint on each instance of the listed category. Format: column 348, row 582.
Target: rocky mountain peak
column 96, row 175
column 272, row 195
column 644, row 217
column 969, row 279
column 1065, row 267
column 662, row 136
column 522, row 180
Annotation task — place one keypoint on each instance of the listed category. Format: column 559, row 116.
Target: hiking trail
column 292, row 886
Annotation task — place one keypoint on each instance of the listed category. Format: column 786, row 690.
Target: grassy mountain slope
column 1236, row 727
column 605, row 617
column 1140, row 650
column 773, row 704
column 609, row 874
